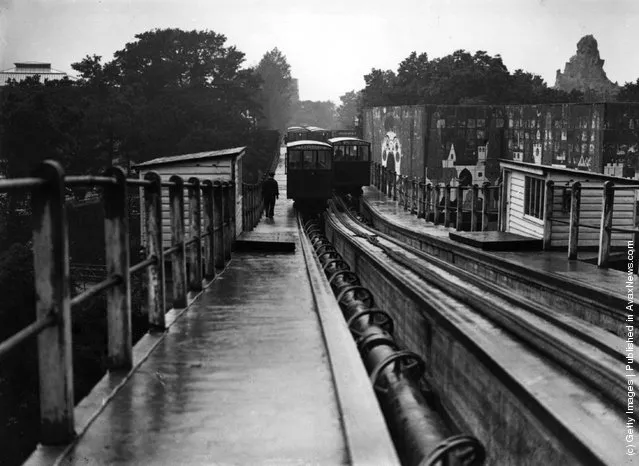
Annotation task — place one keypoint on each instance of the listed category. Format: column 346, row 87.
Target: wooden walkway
column 259, row 369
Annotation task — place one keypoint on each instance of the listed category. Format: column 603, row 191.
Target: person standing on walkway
column 270, row 192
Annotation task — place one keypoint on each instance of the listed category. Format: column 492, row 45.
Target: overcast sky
column 331, row 44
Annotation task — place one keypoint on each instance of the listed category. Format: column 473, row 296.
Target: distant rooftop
column 24, row 69
column 195, row 156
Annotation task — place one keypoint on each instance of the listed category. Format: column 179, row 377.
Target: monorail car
column 296, row 133
column 309, row 172
column 351, row 164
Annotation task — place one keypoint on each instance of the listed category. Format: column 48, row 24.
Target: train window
column 339, row 154
column 295, row 160
column 364, row 153
column 323, row 159
column 309, row 159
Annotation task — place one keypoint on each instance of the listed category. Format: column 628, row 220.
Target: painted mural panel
column 565, row 135
column 397, row 138
column 621, row 140
column 463, row 144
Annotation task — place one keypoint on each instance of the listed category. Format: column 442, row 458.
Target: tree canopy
column 457, row 79
column 278, row 90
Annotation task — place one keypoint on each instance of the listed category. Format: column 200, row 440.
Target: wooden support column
column 154, row 303
column 178, row 258
column 195, row 227
column 51, row 270
column 548, row 205
column 218, row 222
column 605, row 231
column 118, row 297
column 209, row 244
column 231, row 198
column 575, row 204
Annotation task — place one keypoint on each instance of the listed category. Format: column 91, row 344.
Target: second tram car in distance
column 296, row 133
column 309, row 174
column 351, row 164
column 318, row 134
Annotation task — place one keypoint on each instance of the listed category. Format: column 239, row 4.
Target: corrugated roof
column 309, row 143
column 196, row 156
column 344, row 139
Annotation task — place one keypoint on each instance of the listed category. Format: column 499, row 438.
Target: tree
column 277, row 91
column 629, row 92
column 379, row 88
column 315, row 113
column 349, row 113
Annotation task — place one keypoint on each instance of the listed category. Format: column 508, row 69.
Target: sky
column 332, row 44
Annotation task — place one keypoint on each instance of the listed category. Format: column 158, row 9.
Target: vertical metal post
column 503, row 205
column 118, row 297
column 51, row 270
column 484, row 206
column 459, row 207
column 154, row 303
column 178, row 258
column 474, row 195
column 575, row 203
column 209, row 244
column 195, row 226
column 605, row 231
column 395, row 175
column 218, row 222
column 414, row 208
column 436, row 204
column 548, row 205
column 421, row 194
column 447, row 205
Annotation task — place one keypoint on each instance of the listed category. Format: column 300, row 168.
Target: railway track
column 567, row 376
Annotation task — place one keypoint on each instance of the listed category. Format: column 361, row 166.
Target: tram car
column 318, row 134
column 351, row 164
column 296, row 133
column 309, row 174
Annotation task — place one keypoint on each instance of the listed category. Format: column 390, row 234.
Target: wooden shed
column 217, row 165
column 524, row 187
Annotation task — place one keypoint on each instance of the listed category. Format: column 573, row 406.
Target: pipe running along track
column 420, row 436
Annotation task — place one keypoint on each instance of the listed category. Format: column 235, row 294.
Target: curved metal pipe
column 420, row 436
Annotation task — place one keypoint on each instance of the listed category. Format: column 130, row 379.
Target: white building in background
column 23, row 70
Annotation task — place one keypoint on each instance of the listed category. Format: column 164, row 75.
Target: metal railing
column 435, row 204
column 571, row 203
column 204, row 249
column 253, row 203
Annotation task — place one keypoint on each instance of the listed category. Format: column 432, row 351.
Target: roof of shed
column 197, row 156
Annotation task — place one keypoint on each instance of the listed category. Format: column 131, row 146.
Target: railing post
column 605, row 231
column 414, row 205
column 459, row 207
column 118, row 297
column 474, row 195
column 51, row 267
column 209, row 244
column 421, row 196
column 395, row 175
column 447, row 205
column 178, row 258
column 405, row 182
column 226, row 221
column 218, row 222
column 503, row 206
column 548, row 201
column 484, row 206
column 195, row 226
column 154, row 304
column 575, row 204
column 436, row 204
column 232, row 215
